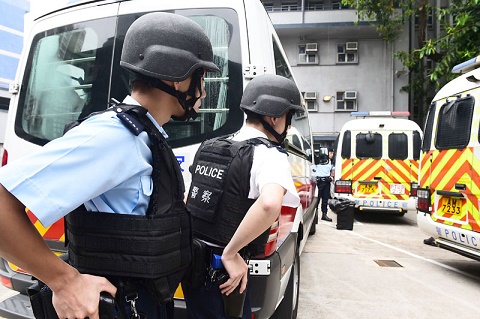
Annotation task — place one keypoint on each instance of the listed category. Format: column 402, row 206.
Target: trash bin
column 344, row 208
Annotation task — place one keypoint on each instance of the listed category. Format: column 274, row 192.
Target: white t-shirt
column 269, row 166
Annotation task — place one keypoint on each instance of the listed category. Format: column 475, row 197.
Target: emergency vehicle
column 377, row 160
column 70, row 68
column 449, row 181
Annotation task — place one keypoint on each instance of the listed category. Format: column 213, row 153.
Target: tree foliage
column 459, row 39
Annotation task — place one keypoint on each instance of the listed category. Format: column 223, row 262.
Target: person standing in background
column 323, row 174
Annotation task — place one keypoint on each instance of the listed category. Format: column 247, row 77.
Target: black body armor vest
column 155, row 247
column 218, row 197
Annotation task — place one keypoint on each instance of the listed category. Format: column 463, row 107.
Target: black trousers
column 323, row 194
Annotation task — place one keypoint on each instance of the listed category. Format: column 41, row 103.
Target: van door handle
column 461, row 187
column 377, row 178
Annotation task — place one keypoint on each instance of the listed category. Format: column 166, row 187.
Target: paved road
column 340, row 278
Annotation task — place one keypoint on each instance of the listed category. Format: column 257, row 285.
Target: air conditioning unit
column 311, row 47
column 310, row 96
column 351, row 46
column 350, row 95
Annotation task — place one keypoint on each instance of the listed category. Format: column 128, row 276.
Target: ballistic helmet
column 271, row 95
column 166, row 46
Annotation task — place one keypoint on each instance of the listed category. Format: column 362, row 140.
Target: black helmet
column 271, row 95
column 166, row 46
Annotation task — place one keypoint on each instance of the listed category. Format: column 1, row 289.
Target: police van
column 377, row 160
column 70, row 68
column 448, row 193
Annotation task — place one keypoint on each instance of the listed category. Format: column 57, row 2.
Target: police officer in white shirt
column 323, row 174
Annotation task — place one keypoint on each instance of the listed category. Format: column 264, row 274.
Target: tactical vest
column 155, row 247
column 218, row 197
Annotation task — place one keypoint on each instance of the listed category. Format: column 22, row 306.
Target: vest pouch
column 197, row 272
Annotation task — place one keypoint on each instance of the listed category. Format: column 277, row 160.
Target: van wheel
column 288, row 308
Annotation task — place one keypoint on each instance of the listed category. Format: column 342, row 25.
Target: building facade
column 342, row 64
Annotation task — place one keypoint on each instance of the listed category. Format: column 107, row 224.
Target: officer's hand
column 79, row 298
column 237, row 270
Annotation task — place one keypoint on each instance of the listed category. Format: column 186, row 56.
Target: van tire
column 288, row 308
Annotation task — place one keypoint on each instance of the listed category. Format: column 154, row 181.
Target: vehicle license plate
column 397, row 189
column 449, row 205
column 367, row 188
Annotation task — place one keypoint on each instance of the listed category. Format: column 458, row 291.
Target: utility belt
column 324, row 179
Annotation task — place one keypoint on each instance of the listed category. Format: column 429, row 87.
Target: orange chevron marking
column 448, row 168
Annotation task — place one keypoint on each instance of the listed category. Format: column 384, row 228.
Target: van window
column 397, row 146
column 417, row 141
column 427, row 136
column 281, row 65
column 347, row 145
column 369, row 145
column 74, row 70
column 454, row 123
column 68, row 70
column 296, row 141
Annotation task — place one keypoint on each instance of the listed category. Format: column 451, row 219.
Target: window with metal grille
column 346, row 144
column 398, row 146
column 369, row 145
column 454, row 123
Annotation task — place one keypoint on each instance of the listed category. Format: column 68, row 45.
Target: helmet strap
column 187, row 105
column 268, row 127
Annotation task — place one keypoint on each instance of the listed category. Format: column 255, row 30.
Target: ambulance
column 377, row 160
column 449, row 181
column 70, row 67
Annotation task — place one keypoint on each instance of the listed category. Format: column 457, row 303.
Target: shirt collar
column 130, row 100
column 247, row 132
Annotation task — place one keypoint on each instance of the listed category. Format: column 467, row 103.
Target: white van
column 377, row 160
column 449, row 181
column 70, row 68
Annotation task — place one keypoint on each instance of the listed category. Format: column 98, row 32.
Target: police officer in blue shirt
column 323, row 174
column 102, row 165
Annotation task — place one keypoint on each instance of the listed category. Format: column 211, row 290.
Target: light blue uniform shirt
column 322, row 170
column 99, row 163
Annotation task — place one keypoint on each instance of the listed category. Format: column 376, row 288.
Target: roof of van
column 459, row 85
column 381, row 123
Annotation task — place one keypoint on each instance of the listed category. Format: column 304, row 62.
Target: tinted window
column 281, row 65
column 427, row 136
column 398, row 146
column 296, row 141
column 417, row 140
column 454, row 123
column 71, row 74
column 369, row 145
column 67, row 73
column 347, row 145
